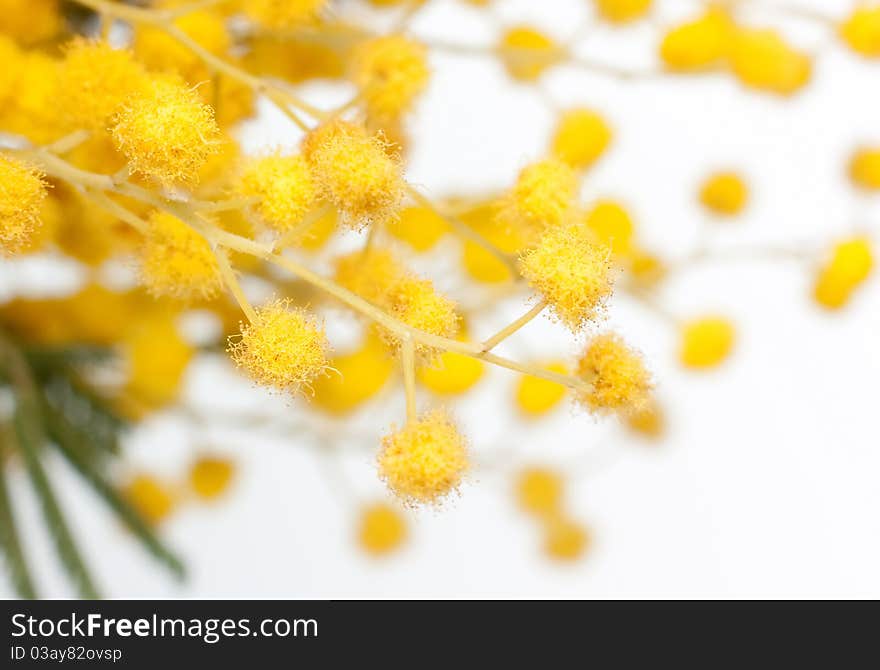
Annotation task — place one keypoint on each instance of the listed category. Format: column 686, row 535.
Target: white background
column 767, row 482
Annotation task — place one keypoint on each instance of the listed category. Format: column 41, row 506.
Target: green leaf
column 28, row 423
column 85, row 412
column 68, row 440
column 9, row 542
column 61, row 535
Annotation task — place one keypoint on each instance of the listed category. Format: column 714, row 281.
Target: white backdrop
column 767, row 482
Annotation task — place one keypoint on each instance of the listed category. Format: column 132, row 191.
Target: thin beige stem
column 225, row 205
column 570, row 381
column 465, row 231
column 103, row 201
column 60, row 169
column 294, row 234
column 234, row 287
column 408, row 363
column 68, row 142
column 511, row 328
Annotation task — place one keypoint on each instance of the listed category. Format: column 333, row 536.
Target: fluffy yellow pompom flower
column 536, row 396
column 284, row 186
column 210, row 476
column 622, row 11
column 724, row 193
column 154, row 500
column 284, row 347
column 698, row 44
column 382, row 529
column 22, row 191
column 541, row 198
column 359, row 376
column 417, row 303
column 864, row 168
column 527, row 53
column 564, row 539
column 283, row 13
column 178, row 262
column 539, row 491
column 850, row 265
column 706, row 342
column 96, row 80
column 761, row 59
column 425, row 460
column 861, row 31
column 572, row 274
column 352, row 169
column 166, row 132
column 391, row 72
column 371, row 274
column 620, row 382
column 611, row 225
column 580, row 138
column 420, row 227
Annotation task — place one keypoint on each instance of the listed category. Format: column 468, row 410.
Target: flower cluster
column 331, row 275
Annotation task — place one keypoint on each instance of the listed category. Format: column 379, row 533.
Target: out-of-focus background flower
column 764, row 482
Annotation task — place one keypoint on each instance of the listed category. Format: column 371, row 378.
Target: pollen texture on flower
column 96, row 80
column 425, row 460
column 541, row 198
column 176, row 261
column 284, row 348
column 284, row 187
column 417, row 303
column 391, row 72
column 617, row 375
column 571, row 273
column 22, row 192
column 166, row 132
column 372, row 274
column 352, row 169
